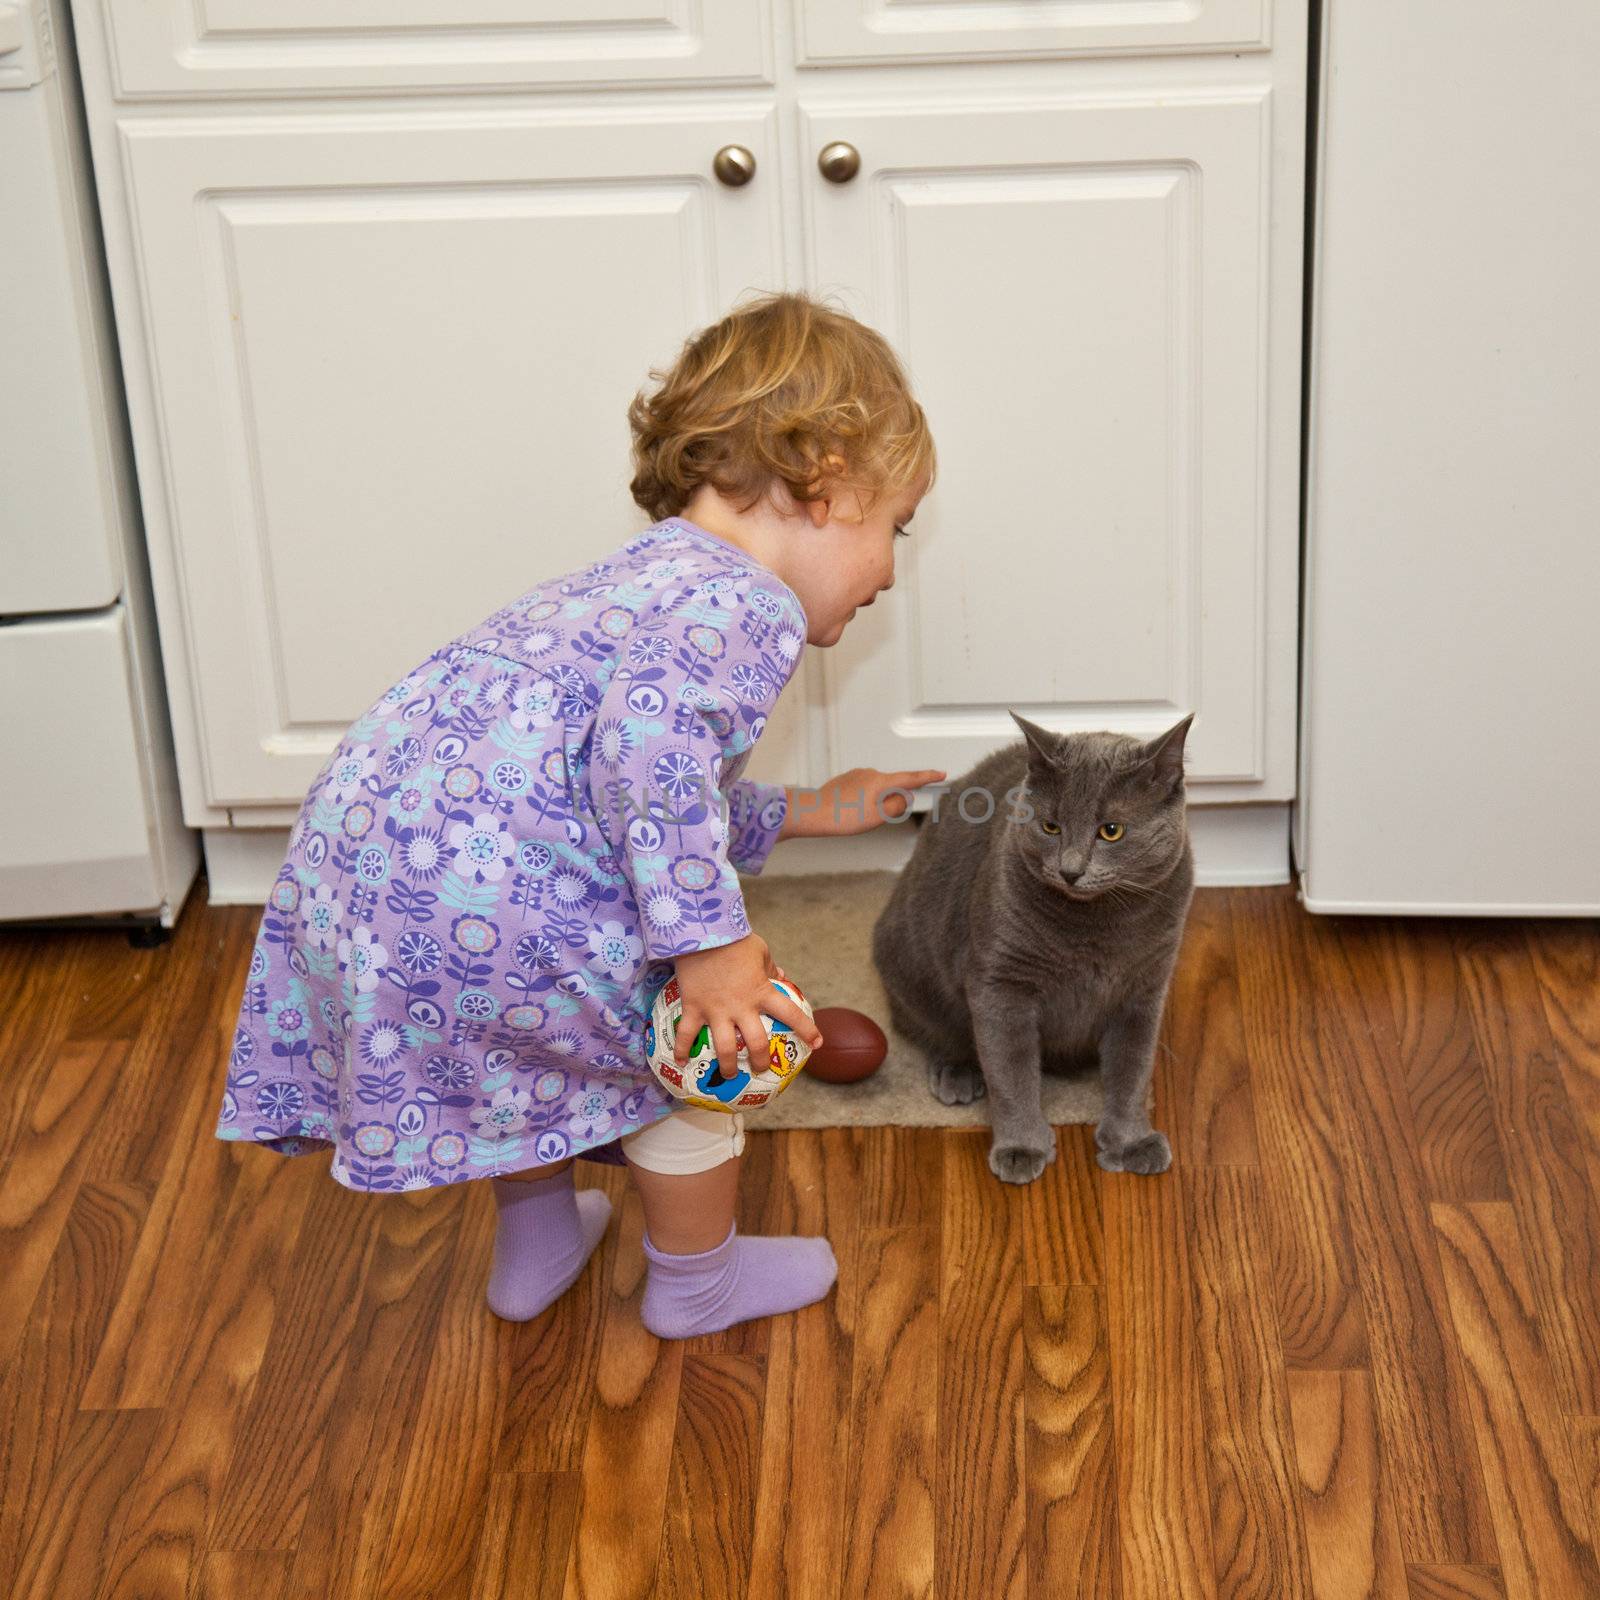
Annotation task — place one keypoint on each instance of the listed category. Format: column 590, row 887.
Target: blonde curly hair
column 769, row 394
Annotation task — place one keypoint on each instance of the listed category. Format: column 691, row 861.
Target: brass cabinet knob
column 734, row 165
column 839, row 162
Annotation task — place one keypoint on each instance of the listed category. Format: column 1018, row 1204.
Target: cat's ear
column 1042, row 744
column 1163, row 757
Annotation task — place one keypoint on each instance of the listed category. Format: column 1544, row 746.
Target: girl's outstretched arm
column 853, row 802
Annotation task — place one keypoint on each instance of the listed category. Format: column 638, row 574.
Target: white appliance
column 90, row 825
column 1450, row 752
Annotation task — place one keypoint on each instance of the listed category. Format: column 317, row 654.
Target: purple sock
column 739, row 1280
column 545, row 1234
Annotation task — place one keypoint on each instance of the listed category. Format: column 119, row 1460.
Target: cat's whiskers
column 1135, row 891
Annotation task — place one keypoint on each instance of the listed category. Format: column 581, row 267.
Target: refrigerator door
column 1451, row 759
column 76, row 837
column 58, row 523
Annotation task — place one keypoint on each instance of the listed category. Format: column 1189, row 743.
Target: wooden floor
column 1348, row 1346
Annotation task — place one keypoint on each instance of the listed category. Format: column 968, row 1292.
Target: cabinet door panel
column 190, row 47
column 829, row 32
column 392, row 360
column 1081, row 295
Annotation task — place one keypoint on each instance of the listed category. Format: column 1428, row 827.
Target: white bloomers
column 690, row 1140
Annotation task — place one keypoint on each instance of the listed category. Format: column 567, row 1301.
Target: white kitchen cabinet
column 380, row 344
column 1079, row 288
column 233, row 48
column 835, row 32
column 393, row 358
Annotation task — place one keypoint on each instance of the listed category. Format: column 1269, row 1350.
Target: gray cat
column 1042, row 934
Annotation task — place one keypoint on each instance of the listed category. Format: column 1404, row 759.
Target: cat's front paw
column 1018, row 1163
column 1148, row 1155
column 956, row 1083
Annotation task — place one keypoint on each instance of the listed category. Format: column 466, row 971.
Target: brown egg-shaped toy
column 853, row 1046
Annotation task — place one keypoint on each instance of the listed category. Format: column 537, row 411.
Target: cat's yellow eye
column 1111, row 831
column 1049, row 826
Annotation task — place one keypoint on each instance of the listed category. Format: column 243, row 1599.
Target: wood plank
column 177, row 1254
column 705, row 1543
column 279, row 1437
column 369, row 1429
column 980, row 1500
column 430, row 1543
column 1412, row 963
column 1584, row 1432
column 1202, row 1078
column 1345, row 1495
column 622, row 1483
column 113, row 999
column 1566, row 960
column 215, row 1355
column 554, row 1356
column 1163, row 1475
column 1543, row 1522
column 40, row 1389
column 50, row 993
column 1314, row 1280
column 43, row 1172
column 887, row 1504
column 1257, row 1539
column 1062, row 1237
column 1424, row 1423
column 527, row 1533
column 243, row 1575
column 798, row 1539
column 902, row 1176
column 181, row 1046
column 1455, row 1583
column 69, row 1546
column 1073, row 1543
column 1556, row 1206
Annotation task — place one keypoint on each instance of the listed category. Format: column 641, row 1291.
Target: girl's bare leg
column 687, row 1213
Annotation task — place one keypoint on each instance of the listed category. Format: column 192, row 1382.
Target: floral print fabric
column 490, row 875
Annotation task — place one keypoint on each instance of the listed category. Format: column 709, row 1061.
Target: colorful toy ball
column 699, row 1082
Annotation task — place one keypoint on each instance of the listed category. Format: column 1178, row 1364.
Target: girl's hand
column 854, row 802
column 728, row 988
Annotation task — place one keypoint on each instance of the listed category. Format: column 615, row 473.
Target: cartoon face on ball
column 700, row 1082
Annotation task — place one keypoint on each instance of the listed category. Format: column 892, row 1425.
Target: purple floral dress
column 490, row 876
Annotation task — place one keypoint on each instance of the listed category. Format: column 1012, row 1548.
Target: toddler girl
column 520, row 840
